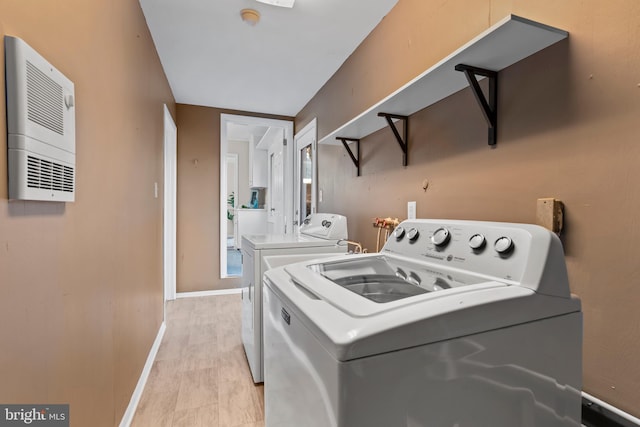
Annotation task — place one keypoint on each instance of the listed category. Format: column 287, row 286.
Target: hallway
column 200, row 376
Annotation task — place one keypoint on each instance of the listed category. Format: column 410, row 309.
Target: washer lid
column 350, row 325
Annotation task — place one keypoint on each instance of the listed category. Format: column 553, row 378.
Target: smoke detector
column 250, row 16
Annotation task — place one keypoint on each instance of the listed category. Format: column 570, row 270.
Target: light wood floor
column 200, row 377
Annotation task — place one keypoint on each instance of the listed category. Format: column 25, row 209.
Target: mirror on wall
column 246, row 193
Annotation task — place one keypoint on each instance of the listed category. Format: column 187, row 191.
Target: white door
column 305, row 179
column 275, row 192
column 169, row 221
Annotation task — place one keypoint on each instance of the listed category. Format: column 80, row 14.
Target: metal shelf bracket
column 345, row 142
column 403, row 140
column 489, row 108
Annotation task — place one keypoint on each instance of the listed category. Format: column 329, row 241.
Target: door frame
column 310, row 130
column 269, row 195
column 287, row 125
column 233, row 158
column 170, row 151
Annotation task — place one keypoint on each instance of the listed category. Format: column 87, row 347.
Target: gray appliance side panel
column 301, row 378
column 528, row 375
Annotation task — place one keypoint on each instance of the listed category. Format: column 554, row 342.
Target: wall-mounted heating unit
column 40, row 125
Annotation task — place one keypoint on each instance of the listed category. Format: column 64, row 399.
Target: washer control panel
column 501, row 250
column 440, row 238
column 325, row 226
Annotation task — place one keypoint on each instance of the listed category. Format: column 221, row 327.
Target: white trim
column 232, row 158
column 310, row 131
column 207, row 293
column 127, row 418
column 169, row 206
column 249, row 120
column 613, row 409
column 276, row 214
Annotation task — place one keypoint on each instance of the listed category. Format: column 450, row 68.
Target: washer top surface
column 427, row 289
column 280, row 241
column 317, row 230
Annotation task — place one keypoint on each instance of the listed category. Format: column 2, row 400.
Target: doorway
column 256, row 180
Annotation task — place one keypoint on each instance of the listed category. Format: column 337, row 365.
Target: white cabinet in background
column 257, row 167
column 248, row 221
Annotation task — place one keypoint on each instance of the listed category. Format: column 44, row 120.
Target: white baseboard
column 127, row 418
column 208, row 293
column 612, row 409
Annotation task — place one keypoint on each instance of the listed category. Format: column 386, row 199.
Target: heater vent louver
column 48, row 175
column 41, row 135
column 45, row 102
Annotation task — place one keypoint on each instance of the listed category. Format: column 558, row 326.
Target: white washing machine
column 319, row 234
column 453, row 324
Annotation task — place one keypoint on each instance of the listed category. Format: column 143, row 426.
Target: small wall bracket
column 489, row 108
column 345, row 142
column 403, row 140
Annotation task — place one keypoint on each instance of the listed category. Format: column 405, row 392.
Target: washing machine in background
column 319, row 234
column 454, row 323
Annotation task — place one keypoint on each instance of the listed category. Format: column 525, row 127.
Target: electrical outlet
column 411, row 210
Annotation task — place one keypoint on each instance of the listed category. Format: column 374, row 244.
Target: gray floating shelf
column 505, row 43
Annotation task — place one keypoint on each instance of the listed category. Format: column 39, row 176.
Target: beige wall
column 198, row 228
column 568, row 128
column 81, row 283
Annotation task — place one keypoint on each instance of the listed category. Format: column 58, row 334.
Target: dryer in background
column 454, row 323
column 320, row 233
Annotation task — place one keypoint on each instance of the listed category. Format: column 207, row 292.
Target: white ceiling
column 212, row 58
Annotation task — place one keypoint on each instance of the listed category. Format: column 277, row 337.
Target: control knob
column 440, row 284
column 399, row 233
column 441, row 237
column 503, row 245
column 477, row 242
column 413, row 234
